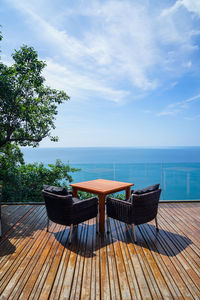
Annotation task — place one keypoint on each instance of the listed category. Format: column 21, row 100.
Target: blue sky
column 131, row 68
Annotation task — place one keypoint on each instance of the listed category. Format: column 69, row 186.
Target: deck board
column 35, row 264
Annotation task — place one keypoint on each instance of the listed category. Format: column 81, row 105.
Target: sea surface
column 176, row 169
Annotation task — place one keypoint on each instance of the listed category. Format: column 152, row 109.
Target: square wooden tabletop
column 102, row 186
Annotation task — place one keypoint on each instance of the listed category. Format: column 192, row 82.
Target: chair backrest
column 145, row 206
column 59, row 207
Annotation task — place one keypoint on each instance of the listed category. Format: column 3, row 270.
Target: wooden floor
column 35, row 264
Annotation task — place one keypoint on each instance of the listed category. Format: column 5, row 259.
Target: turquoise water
column 176, row 169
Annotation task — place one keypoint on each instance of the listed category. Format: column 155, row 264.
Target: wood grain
column 35, row 264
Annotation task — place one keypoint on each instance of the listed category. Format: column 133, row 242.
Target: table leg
column 74, row 192
column 102, row 213
column 128, row 192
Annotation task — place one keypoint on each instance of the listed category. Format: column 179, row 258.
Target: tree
column 27, row 107
column 27, row 113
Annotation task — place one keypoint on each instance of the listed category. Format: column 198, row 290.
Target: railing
column 179, row 181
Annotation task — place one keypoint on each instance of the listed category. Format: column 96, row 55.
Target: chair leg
column 133, row 227
column 70, row 233
column 108, row 224
column 47, row 224
column 157, row 229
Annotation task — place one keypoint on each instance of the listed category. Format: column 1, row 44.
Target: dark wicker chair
column 66, row 210
column 137, row 210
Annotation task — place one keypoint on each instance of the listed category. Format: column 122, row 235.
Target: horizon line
column 94, row 147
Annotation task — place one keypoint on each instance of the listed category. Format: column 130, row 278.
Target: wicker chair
column 137, row 210
column 66, row 210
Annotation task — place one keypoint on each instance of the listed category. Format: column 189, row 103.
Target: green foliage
column 85, row 195
column 25, row 182
column 27, row 107
column 118, row 195
column 10, row 159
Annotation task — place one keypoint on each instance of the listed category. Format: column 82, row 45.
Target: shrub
column 25, row 182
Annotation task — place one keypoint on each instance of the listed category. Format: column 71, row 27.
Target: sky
column 130, row 67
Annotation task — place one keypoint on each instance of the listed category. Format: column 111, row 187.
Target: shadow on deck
column 34, row 263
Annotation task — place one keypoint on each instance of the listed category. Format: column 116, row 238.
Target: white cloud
column 168, row 112
column 126, row 41
column 61, row 77
column 191, row 5
column 177, row 107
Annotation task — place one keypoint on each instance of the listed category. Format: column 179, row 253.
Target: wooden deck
column 35, row 264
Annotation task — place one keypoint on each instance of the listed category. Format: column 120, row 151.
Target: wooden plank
column 112, row 269
column 13, row 238
column 184, row 227
column 182, row 243
column 178, row 269
column 104, row 273
column 12, row 230
column 171, row 276
column 145, row 266
column 114, row 280
column 18, row 263
column 54, row 263
column 34, row 271
column 27, row 279
column 124, row 236
column 93, row 261
column 63, row 266
column 16, row 232
column 87, row 272
column 63, row 271
column 166, row 281
column 69, row 275
column 9, row 262
column 186, row 262
column 35, row 264
column 97, row 275
column 78, row 270
column 57, row 233
column 124, row 284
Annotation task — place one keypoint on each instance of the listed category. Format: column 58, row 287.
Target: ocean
column 177, row 169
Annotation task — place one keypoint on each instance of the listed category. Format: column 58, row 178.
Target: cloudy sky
column 131, row 68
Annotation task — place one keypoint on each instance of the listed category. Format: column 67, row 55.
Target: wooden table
column 102, row 188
